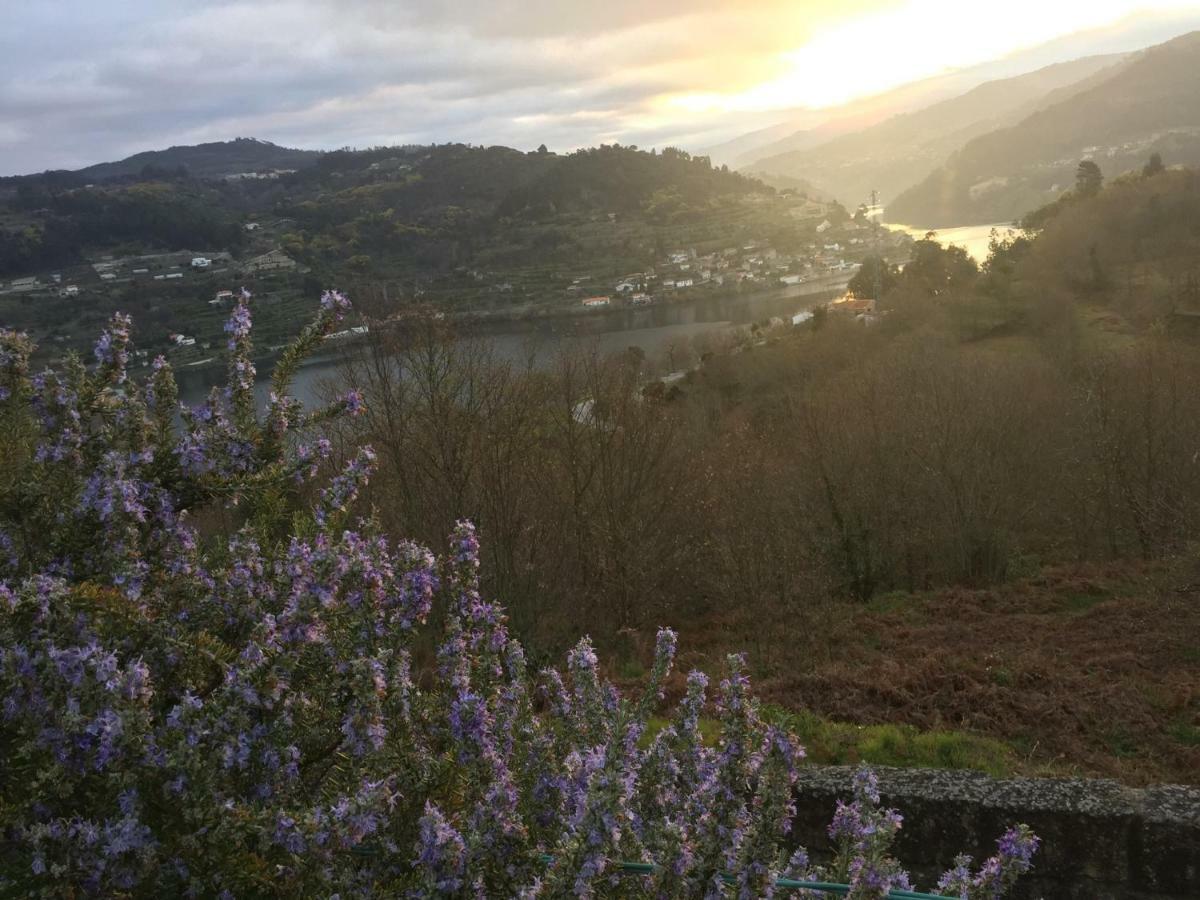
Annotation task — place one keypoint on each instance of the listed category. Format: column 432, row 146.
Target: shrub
column 304, row 707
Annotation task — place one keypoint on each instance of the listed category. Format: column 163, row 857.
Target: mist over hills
column 904, row 149
column 997, row 140
column 803, row 129
column 1148, row 105
column 810, row 128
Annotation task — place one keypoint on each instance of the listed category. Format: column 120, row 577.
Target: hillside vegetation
column 1012, row 443
column 240, row 156
column 400, row 208
column 483, row 232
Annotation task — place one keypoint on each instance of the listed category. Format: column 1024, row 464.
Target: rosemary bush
column 309, row 708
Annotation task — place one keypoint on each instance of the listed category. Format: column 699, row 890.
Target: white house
column 268, row 262
column 201, row 262
column 596, row 302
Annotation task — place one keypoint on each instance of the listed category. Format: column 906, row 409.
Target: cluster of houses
column 754, row 263
column 23, row 285
column 258, row 176
column 33, row 283
column 165, row 267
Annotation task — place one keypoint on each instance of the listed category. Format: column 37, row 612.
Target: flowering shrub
column 307, row 707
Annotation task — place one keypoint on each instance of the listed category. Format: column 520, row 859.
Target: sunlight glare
column 918, row 39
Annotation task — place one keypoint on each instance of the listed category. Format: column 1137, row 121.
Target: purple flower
column 353, row 402
column 335, row 304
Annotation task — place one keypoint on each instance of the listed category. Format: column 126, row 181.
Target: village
column 188, row 292
column 832, row 258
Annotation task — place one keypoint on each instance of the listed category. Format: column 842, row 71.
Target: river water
column 653, row 329
column 972, row 238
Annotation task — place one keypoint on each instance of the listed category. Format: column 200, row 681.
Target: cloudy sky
column 83, row 81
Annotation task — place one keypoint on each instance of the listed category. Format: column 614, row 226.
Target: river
column 972, row 238
column 652, row 328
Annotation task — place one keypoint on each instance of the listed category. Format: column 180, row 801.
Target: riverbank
column 649, row 328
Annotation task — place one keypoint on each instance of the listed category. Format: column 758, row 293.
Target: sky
column 84, row 81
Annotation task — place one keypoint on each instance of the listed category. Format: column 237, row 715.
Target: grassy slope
column 1076, row 670
column 1093, row 670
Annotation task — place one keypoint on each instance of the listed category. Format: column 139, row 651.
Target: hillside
column 811, row 128
column 391, row 201
column 899, row 152
column 477, row 231
column 1148, row 105
column 211, row 160
column 1036, row 399
column 803, row 129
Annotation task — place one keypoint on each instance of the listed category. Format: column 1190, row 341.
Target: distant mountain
column 1150, row 103
column 407, row 208
column 901, row 151
column 747, row 146
column 803, row 129
column 797, row 185
column 212, row 160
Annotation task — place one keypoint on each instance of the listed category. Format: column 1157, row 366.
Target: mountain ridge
column 900, row 151
column 1150, row 104
column 212, row 159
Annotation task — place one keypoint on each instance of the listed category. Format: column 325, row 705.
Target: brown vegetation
column 963, row 516
column 1088, row 669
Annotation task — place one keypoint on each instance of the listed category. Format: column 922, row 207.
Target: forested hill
column 1149, row 105
column 212, row 160
column 388, row 202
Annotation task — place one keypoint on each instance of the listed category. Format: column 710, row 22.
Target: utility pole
column 878, row 253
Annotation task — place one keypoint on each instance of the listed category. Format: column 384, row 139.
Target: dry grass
column 1090, row 670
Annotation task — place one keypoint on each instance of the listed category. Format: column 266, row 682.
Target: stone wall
column 1100, row 840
